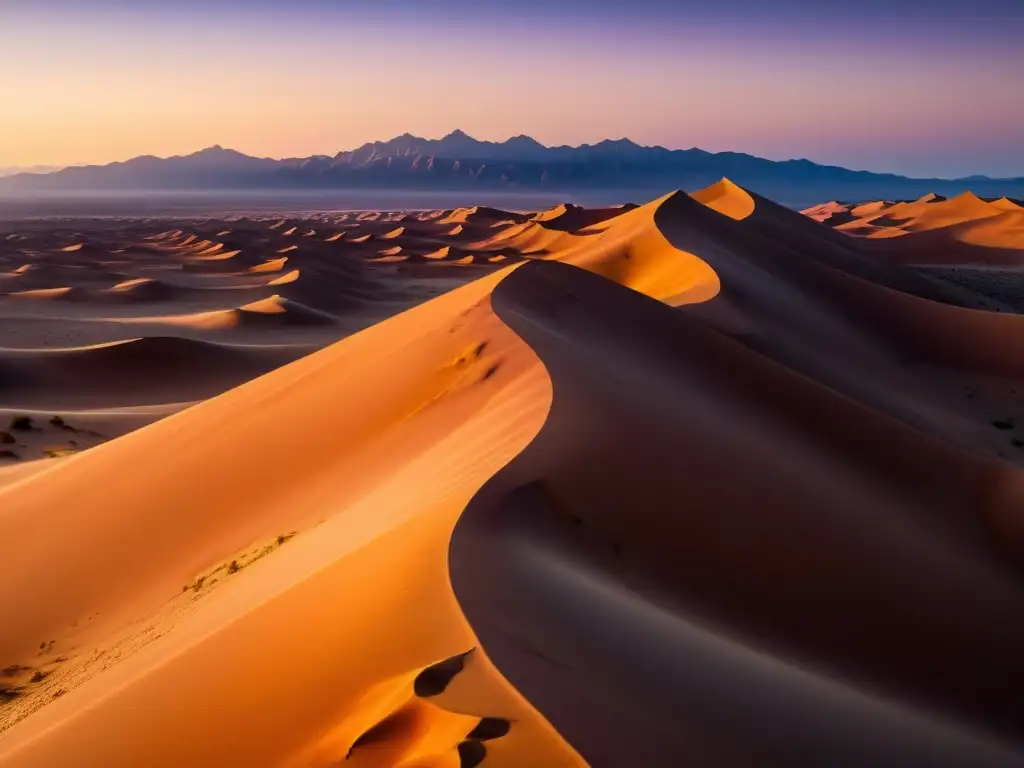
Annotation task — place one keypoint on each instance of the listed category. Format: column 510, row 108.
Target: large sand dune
column 933, row 230
column 698, row 482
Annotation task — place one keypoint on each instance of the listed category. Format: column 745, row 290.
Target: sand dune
column 827, row 212
column 273, row 311
column 480, row 214
column 699, row 482
column 134, row 372
column 589, row 590
column 728, row 199
column 288, row 277
column 144, row 289
column 440, row 253
column 327, row 723
column 63, row 292
column 569, row 218
column 964, row 230
column 1007, row 205
column 271, row 265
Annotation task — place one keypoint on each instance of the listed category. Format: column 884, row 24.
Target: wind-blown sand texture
column 699, row 482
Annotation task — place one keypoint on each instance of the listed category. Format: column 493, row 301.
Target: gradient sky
column 920, row 87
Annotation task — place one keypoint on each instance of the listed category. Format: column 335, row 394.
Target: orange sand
column 677, row 486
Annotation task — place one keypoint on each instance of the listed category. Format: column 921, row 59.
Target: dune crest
column 453, row 375
column 726, row 198
column 934, row 231
column 684, row 483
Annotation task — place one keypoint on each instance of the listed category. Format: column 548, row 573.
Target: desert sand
column 703, row 481
column 964, row 241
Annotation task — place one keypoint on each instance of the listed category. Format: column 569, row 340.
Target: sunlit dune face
column 475, row 487
column 726, row 198
column 932, row 230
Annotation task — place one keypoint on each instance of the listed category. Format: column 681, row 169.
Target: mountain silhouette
column 459, row 161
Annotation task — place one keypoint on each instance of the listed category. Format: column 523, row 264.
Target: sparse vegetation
column 38, row 676
column 22, row 424
column 233, row 567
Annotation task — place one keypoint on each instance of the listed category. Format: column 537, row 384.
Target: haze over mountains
column 10, row 170
column 459, row 161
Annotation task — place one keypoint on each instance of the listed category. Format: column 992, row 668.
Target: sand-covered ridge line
column 665, row 484
column 451, row 396
column 450, row 402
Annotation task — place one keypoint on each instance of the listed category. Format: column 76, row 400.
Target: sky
column 917, row 87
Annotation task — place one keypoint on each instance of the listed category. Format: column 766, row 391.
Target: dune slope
column 454, row 396
column 694, row 573
column 699, row 482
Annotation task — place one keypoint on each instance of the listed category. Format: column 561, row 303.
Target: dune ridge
column 678, row 485
column 962, row 230
column 463, row 386
column 546, row 540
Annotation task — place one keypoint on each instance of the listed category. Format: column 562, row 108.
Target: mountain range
column 459, row 161
column 10, row 170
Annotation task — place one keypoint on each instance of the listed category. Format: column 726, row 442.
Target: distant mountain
column 10, row 170
column 459, row 161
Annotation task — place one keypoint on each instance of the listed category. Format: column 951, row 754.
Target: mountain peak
column 523, row 140
column 618, row 144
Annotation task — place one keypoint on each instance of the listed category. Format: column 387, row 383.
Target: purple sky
column 922, row 88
